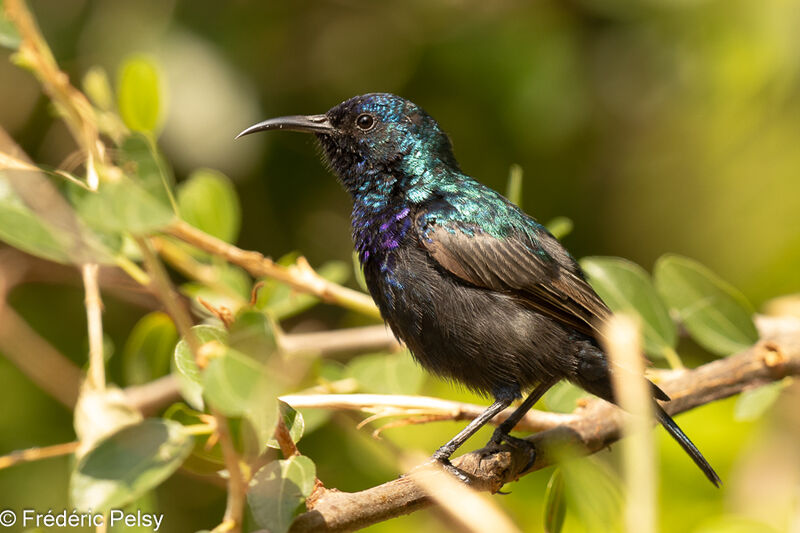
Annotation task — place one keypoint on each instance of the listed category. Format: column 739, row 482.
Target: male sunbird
column 480, row 292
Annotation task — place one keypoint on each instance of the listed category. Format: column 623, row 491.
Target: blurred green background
column 654, row 125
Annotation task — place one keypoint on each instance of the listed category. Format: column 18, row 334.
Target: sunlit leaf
column 395, row 373
column 593, row 493
column 716, row 315
column 555, row 506
column 209, row 202
column 99, row 413
column 185, row 366
column 563, row 397
column 149, row 347
column 139, row 94
column 278, row 491
column 294, row 423
column 128, row 463
column 626, row 288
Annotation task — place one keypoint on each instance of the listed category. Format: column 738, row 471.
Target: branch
column 299, row 276
column 595, row 426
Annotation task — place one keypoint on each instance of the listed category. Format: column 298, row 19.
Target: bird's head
column 370, row 136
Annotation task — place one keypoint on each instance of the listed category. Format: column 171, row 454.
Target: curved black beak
column 304, row 123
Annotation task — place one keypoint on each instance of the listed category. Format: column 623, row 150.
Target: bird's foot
column 499, row 436
column 443, row 458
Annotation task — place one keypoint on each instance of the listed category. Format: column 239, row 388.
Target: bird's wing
column 530, row 265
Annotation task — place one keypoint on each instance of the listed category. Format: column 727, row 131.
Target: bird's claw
column 499, row 437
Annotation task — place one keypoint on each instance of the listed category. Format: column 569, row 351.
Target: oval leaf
column 128, row 463
column 208, row 201
column 294, row 423
column 138, row 94
column 716, row 315
column 626, row 288
column 753, row 403
column 147, row 351
column 123, row 206
column 185, row 366
column 278, row 491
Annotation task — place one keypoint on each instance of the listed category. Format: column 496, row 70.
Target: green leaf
column 560, row 227
column 514, row 186
column 123, row 206
column 753, row 403
column 139, row 94
column 128, row 463
column 278, row 491
column 23, row 229
column 9, row 36
column 185, row 366
column 141, row 159
column 555, row 506
column 236, row 385
column 716, row 315
column 149, row 348
column 395, row 373
column 208, row 201
column 626, row 288
column 253, row 334
column 294, row 423
column 206, row 457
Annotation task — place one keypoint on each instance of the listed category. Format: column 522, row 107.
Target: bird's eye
column 365, row 121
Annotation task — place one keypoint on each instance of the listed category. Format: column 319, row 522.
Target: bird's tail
column 687, row 445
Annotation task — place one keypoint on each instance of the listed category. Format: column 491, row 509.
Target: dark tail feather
column 687, row 445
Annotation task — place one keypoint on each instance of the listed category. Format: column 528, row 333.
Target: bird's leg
column 443, row 454
column 501, row 434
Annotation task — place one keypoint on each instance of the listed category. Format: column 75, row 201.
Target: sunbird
column 480, row 292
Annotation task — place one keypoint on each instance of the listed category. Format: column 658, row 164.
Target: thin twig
column 237, row 486
column 94, row 310
column 36, row 454
column 299, row 276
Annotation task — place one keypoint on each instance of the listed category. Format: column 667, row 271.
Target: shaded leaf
column 283, row 302
column 278, row 491
column 753, row 403
column 555, row 507
column 185, row 366
column 209, row 202
column 395, row 373
column 23, row 229
column 237, row 386
column 716, row 315
column 626, row 288
column 139, row 94
column 141, row 159
column 253, row 334
column 128, row 463
column 123, row 206
column 149, row 348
